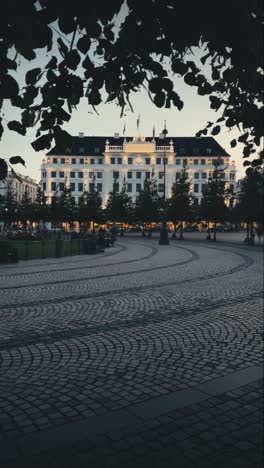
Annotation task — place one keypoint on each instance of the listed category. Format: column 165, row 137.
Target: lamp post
column 164, row 238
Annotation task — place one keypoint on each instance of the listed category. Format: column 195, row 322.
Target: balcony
column 162, row 148
column 116, row 148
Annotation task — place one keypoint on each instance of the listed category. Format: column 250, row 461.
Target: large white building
column 19, row 186
column 104, row 160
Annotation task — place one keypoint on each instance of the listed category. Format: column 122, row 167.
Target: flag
column 153, row 132
column 138, row 120
column 124, row 129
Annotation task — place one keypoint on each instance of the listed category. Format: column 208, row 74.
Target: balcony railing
column 162, row 148
column 115, row 148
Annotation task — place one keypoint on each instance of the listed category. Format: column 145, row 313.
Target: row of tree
column 217, row 205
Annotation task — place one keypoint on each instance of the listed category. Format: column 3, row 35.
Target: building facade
column 19, row 186
column 102, row 161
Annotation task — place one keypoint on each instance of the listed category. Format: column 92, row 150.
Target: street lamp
column 164, row 237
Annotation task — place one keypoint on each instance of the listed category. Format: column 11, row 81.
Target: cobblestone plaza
column 143, row 355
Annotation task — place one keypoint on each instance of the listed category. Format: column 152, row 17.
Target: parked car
column 220, row 228
column 190, row 228
column 135, row 229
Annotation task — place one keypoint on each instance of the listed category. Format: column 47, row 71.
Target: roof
column 183, row 146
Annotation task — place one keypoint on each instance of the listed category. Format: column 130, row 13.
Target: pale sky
column 193, row 117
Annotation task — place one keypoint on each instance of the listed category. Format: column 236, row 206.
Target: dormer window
column 81, row 149
column 97, row 149
column 68, row 150
column 208, row 150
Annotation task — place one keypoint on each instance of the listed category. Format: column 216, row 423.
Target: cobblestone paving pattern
column 88, row 336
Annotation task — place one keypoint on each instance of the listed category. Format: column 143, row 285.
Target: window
column 100, row 161
column 112, row 160
column 115, row 187
column 62, row 160
column 81, row 161
column 178, row 175
column 221, row 161
column 195, row 201
column 80, row 175
column 214, row 161
column 147, row 160
column 204, row 175
column 160, row 187
column 196, row 188
column 185, row 162
column 53, row 174
column 202, row 162
column 232, row 176
column 196, row 162
column 55, row 160
column 129, row 175
column 138, row 187
column 196, row 175
column 53, row 186
column 208, row 150
column 129, row 188
column 147, row 175
column 99, row 187
column 138, row 175
column 68, row 150
column 158, row 160
column 73, row 161
column 96, row 149
column 116, row 174
column 99, row 175
column 161, row 174
column 222, row 176
column 80, row 187
column 203, row 187
column 61, row 174
column 91, row 175
column 81, row 149
column 72, row 175
column 61, row 186
column 44, row 186
column 44, row 175
column 231, row 188
column 72, row 186
column 129, row 160
column 91, row 186
column 177, row 162
column 92, row 161
column 165, row 160
column 119, row 160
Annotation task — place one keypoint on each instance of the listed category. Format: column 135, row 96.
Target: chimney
column 116, row 135
column 81, row 134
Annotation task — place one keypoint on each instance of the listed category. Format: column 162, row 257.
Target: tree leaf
column 32, row 76
column 52, row 64
column 216, row 130
column 8, row 87
column 83, row 44
column 1, row 128
column 233, row 143
column 43, row 142
column 17, row 160
column 72, row 59
column 3, row 169
column 17, row 127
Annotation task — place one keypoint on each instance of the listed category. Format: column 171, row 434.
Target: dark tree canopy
column 101, row 60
